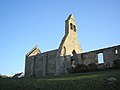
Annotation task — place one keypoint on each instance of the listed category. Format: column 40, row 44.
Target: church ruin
column 69, row 53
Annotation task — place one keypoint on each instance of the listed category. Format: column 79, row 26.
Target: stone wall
column 109, row 55
column 89, row 57
column 41, row 64
column 29, row 66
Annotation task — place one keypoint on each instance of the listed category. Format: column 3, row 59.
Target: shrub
column 81, row 68
column 101, row 66
column 78, row 68
column 71, row 70
column 92, row 67
column 116, row 64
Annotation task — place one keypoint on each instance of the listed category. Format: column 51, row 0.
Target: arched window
column 71, row 26
column 74, row 28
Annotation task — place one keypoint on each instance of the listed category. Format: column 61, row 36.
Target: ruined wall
column 109, row 55
column 89, row 57
column 41, row 64
column 29, row 66
column 52, row 62
column 45, row 64
column 30, row 61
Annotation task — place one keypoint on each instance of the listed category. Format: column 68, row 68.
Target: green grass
column 81, row 81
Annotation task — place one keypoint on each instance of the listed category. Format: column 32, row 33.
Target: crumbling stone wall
column 109, row 55
column 89, row 57
column 41, row 65
column 29, row 64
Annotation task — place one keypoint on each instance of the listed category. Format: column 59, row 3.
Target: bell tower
column 70, row 25
column 69, row 46
column 70, row 41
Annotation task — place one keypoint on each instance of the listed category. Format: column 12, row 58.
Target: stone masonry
column 69, row 53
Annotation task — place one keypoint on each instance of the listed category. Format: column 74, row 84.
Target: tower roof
column 71, row 17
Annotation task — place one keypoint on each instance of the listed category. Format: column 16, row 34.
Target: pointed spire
column 71, row 17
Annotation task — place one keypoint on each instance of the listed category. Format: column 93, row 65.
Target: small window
column 71, row 26
column 74, row 28
column 100, row 58
column 116, row 51
column 72, row 62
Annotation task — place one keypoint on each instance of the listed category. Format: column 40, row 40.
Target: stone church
column 69, row 53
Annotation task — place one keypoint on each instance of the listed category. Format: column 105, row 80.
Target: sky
column 26, row 23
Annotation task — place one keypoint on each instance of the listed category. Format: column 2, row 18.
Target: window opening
column 100, row 58
column 71, row 26
column 74, row 28
column 72, row 62
column 116, row 51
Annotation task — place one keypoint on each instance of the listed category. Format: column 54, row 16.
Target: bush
column 92, row 67
column 71, row 70
column 81, row 68
column 116, row 64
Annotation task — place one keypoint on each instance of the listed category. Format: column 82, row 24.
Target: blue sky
column 26, row 23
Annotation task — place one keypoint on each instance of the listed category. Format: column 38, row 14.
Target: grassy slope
column 82, row 81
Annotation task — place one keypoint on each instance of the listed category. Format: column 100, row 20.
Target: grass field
column 81, row 81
